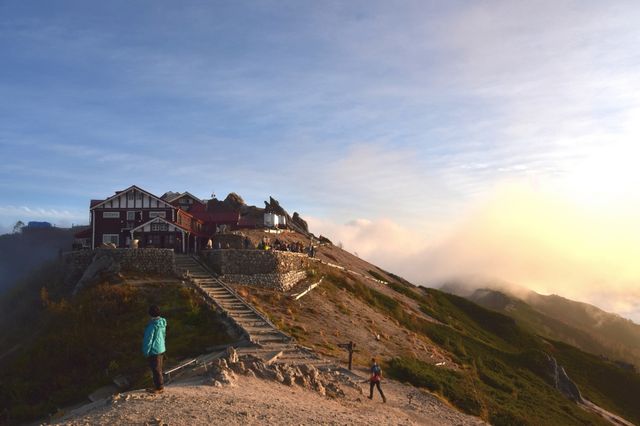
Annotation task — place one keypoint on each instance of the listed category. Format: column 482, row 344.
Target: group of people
column 154, row 348
column 293, row 247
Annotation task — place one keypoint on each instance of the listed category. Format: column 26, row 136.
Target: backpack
column 376, row 372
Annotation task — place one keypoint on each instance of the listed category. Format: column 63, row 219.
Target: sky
column 491, row 139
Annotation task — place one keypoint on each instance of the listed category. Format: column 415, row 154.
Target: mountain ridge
column 578, row 323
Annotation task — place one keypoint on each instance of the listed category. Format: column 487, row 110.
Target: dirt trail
column 255, row 401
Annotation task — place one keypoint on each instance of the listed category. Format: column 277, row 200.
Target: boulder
column 103, row 267
column 325, row 240
column 232, row 355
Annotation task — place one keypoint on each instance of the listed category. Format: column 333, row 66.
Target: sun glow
column 608, row 176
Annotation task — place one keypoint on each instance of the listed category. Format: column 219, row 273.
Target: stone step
column 231, row 303
column 214, row 286
column 225, row 299
column 222, row 294
column 249, row 323
column 221, row 291
column 243, row 313
column 218, row 290
column 229, row 300
column 265, row 330
column 265, row 340
column 250, row 349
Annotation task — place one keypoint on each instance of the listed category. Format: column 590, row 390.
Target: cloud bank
column 532, row 239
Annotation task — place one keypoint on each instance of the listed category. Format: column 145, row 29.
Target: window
column 159, row 226
column 139, row 195
column 158, row 214
column 111, row 238
column 134, row 215
column 130, row 195
column 111, row 215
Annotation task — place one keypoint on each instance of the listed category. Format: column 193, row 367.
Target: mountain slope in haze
column 28, row 249
column 579, row 324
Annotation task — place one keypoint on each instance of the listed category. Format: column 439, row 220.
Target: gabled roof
column 159, row 219
column 172, row 198
column 132, row 187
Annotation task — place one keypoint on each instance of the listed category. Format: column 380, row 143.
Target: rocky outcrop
column 224, row 371
column 325, row 240
column 273, row 206
column 234, row 202
column 103, row 268
column 296, row 222
column 300, row 222
column 559, row 378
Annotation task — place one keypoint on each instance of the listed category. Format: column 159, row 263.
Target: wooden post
column 350, row 347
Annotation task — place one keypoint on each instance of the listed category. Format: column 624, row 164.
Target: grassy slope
column 81, row 344
column 500, row 372
column 575, row 323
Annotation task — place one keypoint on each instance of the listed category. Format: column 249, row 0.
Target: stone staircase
column 266, row 341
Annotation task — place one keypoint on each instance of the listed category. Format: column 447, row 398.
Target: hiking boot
column 154, row 390
column 384, row 400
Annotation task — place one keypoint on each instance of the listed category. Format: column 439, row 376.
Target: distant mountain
column 24, row 251
column 579, row 324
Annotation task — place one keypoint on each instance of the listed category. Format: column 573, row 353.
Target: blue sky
column 403, row 116
column 261, row 98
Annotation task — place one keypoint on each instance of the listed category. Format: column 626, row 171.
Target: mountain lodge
column 181, row 221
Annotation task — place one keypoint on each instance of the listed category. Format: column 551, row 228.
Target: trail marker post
column 350, row 347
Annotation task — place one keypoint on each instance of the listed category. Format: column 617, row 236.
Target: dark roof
column 85, row 233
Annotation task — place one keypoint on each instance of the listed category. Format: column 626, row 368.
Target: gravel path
column 254, row 401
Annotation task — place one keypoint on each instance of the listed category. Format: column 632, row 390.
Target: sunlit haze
column 492, row 140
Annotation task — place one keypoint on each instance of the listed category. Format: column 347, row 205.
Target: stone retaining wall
column 144, row 261
column 277, row 270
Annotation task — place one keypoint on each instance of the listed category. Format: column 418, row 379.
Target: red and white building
column 136, row 214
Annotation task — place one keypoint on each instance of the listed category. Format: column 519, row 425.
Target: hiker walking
column 376, row 376
column 153, row 347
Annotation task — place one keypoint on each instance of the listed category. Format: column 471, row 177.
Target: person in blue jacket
column 374, row 381
column 153, row 347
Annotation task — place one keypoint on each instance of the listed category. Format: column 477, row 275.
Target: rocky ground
column 247, row 399
column 246, row 390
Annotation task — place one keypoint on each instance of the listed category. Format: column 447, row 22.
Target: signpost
column 349, row 347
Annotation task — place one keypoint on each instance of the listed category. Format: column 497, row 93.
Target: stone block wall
column 144, row 261
column 270, row 269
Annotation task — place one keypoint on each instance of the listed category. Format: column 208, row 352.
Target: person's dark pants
column 376, row 384
column 155, row 364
